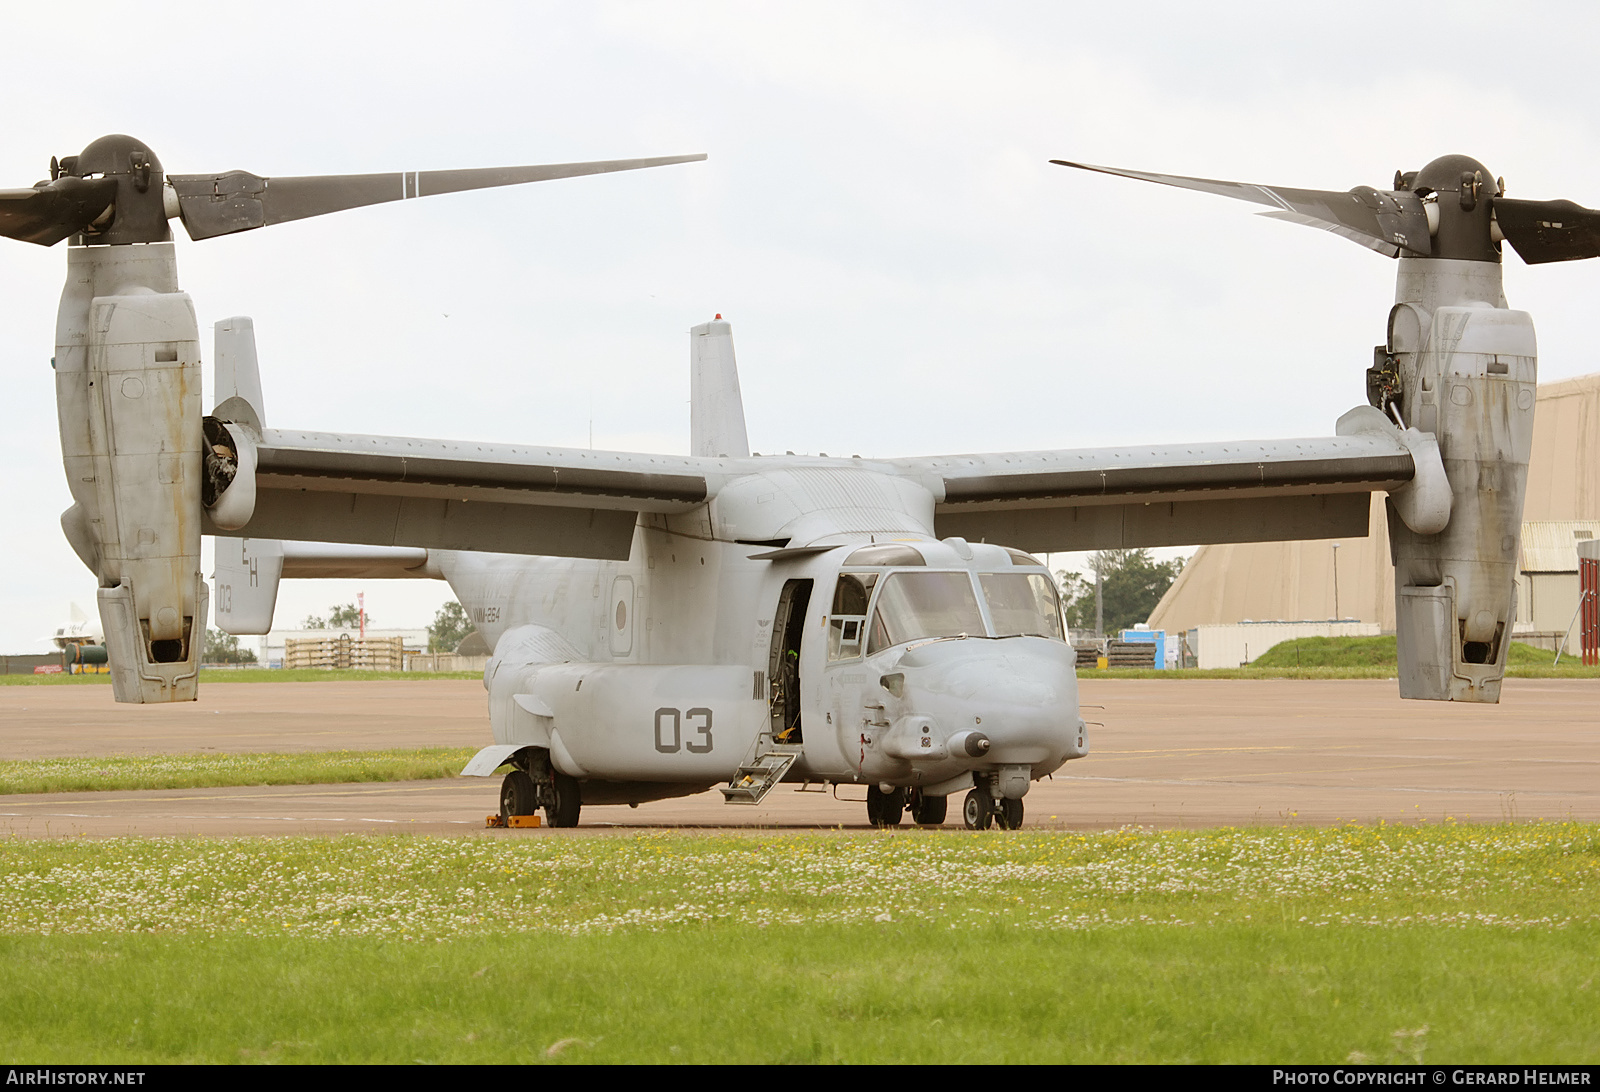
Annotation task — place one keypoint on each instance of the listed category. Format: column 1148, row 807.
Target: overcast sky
column 905, row 272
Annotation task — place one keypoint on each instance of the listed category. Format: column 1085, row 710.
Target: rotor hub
column 137, row 213
column 1462, row 191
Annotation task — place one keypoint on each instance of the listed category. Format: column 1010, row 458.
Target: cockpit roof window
column 891, row 553
column 1020, row 558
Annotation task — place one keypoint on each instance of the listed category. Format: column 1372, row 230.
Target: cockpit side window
column 848, row 618
column 912, row 606
column 853, row 592
column 1023, row 604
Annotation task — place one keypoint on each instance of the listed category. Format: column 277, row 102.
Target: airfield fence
column 30, row 664
column 444, row 661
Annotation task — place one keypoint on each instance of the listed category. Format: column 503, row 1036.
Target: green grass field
column 1374, row 652
column 206, row 771
column 1442, row 942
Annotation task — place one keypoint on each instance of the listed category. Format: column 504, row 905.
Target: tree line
column 1132, row 582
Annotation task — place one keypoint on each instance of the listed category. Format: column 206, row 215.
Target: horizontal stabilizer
column 246, row 581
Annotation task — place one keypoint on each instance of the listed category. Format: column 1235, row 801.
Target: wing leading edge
column 1168, row 495
column 439, row 494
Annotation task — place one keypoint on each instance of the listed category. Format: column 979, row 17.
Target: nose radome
column 1020, row 692
column 1031, row 669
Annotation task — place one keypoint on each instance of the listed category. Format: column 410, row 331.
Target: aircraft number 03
column 670, row 727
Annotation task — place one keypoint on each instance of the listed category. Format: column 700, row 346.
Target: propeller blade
column 49, row 212
column 221, row 204
column 1548, row 231
column 1388, row 221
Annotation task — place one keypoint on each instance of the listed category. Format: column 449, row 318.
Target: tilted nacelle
column 141, row 462
column 1464, row 369
column 128, row 398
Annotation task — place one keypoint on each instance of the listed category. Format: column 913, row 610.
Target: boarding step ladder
column 761, row 771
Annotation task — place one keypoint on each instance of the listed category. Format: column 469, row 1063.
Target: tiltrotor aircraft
column 663, row 623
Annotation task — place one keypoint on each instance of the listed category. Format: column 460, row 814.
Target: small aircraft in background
column 79, row 630
column 664, row 623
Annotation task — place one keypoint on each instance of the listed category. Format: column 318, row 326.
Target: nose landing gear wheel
column 928, row 811
column 978, row 809
column 884, row 809
column 563, row 812
column 1011, row 815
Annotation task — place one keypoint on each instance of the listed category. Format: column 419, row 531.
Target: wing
column 441, row 494
column 564, row 502
column 1169, row 495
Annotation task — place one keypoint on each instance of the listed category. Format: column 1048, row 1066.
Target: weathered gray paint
column 632, row 621
column 1164, row 523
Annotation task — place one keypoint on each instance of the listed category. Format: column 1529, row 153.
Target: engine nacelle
column 1467, row 369
column 128, row 402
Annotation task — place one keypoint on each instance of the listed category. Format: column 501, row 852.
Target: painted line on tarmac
column 1499, row 759
column 1196, row 782
column 1195, row 750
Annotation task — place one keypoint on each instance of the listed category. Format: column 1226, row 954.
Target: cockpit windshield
column 1022, row 603
column 912, row 606
column 916, row 606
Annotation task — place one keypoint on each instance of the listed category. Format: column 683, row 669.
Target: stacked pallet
column 1130, row 654
column 345, row 652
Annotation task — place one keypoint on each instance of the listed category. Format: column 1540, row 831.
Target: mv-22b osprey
column 665, row 623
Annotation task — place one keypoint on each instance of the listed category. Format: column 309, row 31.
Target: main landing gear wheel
column 518, row 795
column 563, row 811
column 928, row 811
column 884, row 809
column 1011, row 815
column 978, row 810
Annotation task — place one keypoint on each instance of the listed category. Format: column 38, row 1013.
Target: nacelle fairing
column 1465, row 370
column 128, row 401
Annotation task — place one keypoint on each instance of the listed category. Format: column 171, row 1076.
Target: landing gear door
column 783, row 667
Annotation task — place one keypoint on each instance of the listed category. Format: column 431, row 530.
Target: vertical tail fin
column 716, row 409
column 238, row 373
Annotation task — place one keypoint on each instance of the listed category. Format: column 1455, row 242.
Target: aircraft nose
column 1021, row 693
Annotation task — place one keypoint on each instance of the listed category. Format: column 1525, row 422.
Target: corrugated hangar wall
column 1295, row 580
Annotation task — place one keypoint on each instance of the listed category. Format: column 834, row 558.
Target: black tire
column 977, row 811
column 518, row 795
column 884, row 809
column 1010, row 815
column 568, row 801
column 928, row 811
